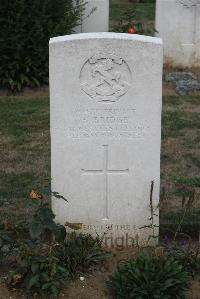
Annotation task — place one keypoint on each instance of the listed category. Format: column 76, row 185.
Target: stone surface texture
column 98, row 20
column 106, row 97
column 178, row 23
column 185, row 82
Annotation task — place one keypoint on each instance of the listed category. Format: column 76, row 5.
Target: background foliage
column 26, row 26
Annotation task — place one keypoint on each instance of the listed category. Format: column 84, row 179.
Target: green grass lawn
column 180, row 158
column 25, row 148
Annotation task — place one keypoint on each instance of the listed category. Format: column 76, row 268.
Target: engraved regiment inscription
column 105, row 78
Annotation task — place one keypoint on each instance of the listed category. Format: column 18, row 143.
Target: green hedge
column 26, row 26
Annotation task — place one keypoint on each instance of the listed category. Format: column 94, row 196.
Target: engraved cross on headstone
column 105, row 171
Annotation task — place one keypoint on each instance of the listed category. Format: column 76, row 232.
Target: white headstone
column 95, row 17
column 178, row 23
column 106, row 91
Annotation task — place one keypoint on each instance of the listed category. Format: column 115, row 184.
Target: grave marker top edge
column 108, row 35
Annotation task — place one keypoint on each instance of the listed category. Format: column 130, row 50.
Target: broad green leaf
column 36, row 229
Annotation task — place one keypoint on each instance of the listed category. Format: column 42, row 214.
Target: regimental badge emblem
column 105, row 78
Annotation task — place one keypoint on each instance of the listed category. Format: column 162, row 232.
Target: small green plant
column 45, row 257
column 187, row 254
column 10, row 236
column 129, row 24
column 39, row 274
column 43, row 226
column 47, row 275
column 182, row 222
column 42, row 267
column 149, row 276
column 80, row 253
column 6, row 242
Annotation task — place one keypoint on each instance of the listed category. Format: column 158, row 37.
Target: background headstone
column 178, row 23
column 95, row 17
column 106, row 91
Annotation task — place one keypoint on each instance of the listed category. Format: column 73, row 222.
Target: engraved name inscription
column 115, row 123
column 105, row 78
